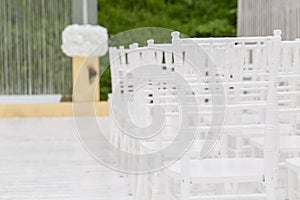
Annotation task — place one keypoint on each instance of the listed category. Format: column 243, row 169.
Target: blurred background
column 31, row 59
column 32, row 62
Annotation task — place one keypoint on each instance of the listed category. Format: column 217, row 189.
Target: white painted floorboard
column 42, row 158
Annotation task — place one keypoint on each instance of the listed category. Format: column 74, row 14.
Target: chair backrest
column 127, row 76
column 288, row 87
column 244, row 66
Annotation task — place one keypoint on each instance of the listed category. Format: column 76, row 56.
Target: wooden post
column 86, row 79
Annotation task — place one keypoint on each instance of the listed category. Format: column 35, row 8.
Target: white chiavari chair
column 154, row 182
column 288, row 103
column 293, row 165
column 189, row 76
column 123, row 83
column 122, row 61
column 251, row 55
column 188, row 172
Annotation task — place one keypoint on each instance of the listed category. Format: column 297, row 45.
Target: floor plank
column 42, row 158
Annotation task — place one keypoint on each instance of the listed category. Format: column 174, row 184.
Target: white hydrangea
column 84, row 40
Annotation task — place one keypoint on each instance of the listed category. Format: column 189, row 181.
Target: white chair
column 123, row 85
column 293, row 165
column 123, row 62
column 126, row 61
column 251, row 54
column 288, row 102
column 154, row 182
column 236, row 170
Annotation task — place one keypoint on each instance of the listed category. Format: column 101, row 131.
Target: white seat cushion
column 227, row 170
column 287, row 144
column 195, row 149
column 294, row 164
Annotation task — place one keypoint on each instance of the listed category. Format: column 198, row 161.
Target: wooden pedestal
column 85, row 79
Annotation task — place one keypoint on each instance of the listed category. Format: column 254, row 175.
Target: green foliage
column 194, row 18
column 183, row 15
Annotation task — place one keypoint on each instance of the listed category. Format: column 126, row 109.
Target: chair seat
column 287, row 144
column 195, row 149
column 226, row 170
column 294, row 164
column 284, row 131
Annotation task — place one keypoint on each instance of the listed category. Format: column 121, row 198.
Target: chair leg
column 270, row 189
column 147, row 186
column 185, row 177
column 291, row 184
column 168, row 188
column 253, row 152
column 236, row 188
column 156, row 186
column 224, row 145
column 239, row 145
column 184, row 188
column 140, row 190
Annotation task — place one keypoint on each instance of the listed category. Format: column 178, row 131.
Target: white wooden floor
column 42, row 158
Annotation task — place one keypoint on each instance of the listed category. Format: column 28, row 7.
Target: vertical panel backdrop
column 261, row 17
column 31, row 59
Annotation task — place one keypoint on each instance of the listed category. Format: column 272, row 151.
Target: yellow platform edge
column 63, row 109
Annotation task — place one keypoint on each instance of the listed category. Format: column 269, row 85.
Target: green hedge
column 195, row 18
